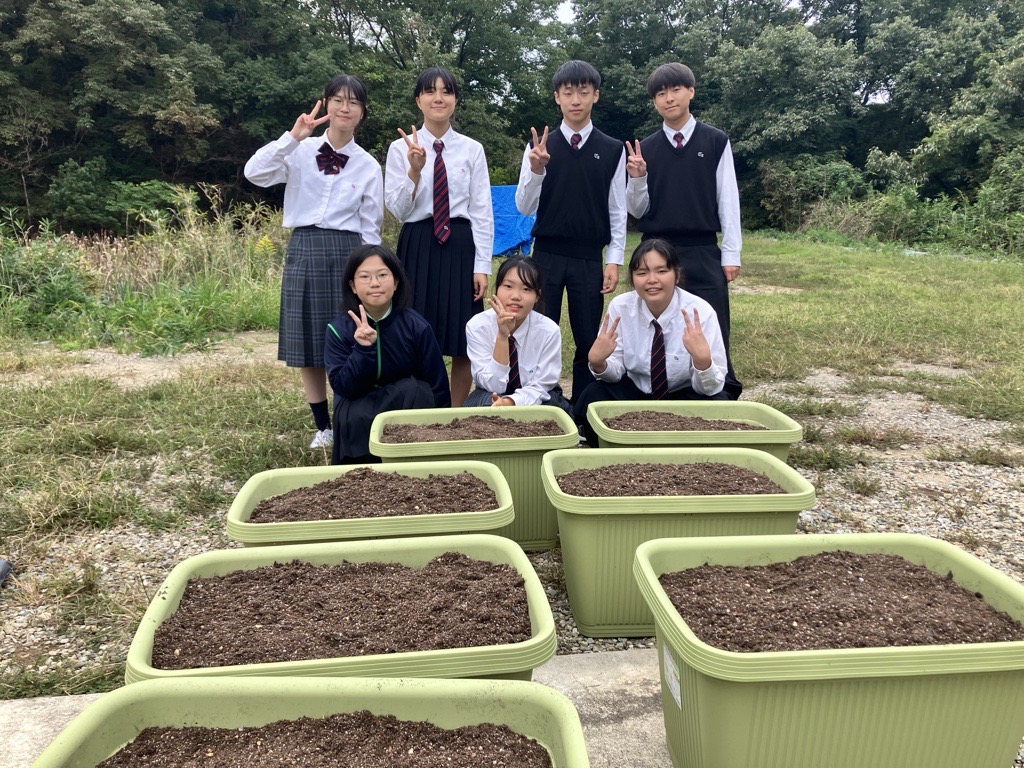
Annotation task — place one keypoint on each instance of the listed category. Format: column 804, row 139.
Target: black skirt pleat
column 442, row 279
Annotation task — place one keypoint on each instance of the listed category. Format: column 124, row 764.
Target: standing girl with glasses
column 657, row 342
column 436, row 184
column 380, row 354
column 515, row 351
column 333, row 200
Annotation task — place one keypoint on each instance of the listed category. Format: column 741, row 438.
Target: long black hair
column 429, row 76
column 403, row 291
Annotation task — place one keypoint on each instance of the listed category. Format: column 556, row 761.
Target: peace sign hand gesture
column 695, row 343
column 416, row 154
column 305, row 123
column 365, row 335
column 539, row 152
column 636, row 166
column 604, row 345
column 506, row 319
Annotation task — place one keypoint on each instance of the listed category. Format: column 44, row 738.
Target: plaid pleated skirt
column 442, row 279
column 311, row 292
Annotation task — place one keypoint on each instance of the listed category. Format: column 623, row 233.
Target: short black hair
column 663, row 248
column 669, row 76
column 528, row 271
column 576, row 72
column 403, row 291
column 355, row 87
column 430, row 75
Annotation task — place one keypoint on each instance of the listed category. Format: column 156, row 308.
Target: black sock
column 320, row 415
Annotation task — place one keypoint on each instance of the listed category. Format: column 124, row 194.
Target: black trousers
column 625, row 389
column 703, row 277
column 581, row 280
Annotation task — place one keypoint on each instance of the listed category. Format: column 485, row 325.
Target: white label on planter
column 671, row 675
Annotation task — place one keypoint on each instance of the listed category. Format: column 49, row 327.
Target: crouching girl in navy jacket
column 380, row 354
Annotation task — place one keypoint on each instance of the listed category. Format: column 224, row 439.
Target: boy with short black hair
column 574, row 180
column 682, row 188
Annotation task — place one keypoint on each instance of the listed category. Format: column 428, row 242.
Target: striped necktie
column 659, row 374
column 678, row 139
column 514, row 382
column 442, row 217
column 575, row 141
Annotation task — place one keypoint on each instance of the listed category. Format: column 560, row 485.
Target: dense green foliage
column 878, row 117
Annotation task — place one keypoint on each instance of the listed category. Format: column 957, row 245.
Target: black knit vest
column 682, row 186
column 572, row 216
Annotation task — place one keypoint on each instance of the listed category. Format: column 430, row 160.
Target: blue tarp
column 511, row 228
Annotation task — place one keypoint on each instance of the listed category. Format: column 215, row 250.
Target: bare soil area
column 470, row 428
column 662, row 421
column 369, row 493
column 832, row 600
column 297, row 610
column 701, row 478
column 356, row 740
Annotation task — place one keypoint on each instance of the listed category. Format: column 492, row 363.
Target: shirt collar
column 687, row 129
column 671, row 311
column 584, row 132
column 348, row 146
column 427, row 138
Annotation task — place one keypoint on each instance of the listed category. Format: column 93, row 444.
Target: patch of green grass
column 875, row 437
column 96, row 678
column 862, row 484
column 809, row 406
column 824, row 457
column 993, row 457
column 813, row 434
column 1015, row 434
column 797, row 389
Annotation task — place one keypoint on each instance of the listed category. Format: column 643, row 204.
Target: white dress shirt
column 469, row 188
column 352, row 200
column 632, row 354
column 530, row 184
column 539, row 343
column 638, row 200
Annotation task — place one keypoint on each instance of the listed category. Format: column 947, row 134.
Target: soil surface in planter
column 470, row 428
column 660, row 421
column 298, row 610
column 832, row 600
column 366, row 492
column 356, row 740
column 701, row 478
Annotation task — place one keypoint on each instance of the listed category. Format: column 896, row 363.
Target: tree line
column 885, row 117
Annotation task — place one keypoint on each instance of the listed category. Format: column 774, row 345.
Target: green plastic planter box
column 512, row 660
column 600, row 534
column 780, row 430
column 942, row 706
column 530, row 709
column 518, row 458
column 277, row 481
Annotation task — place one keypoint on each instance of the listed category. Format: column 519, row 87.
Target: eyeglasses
column 365, row 278
column 337, row 102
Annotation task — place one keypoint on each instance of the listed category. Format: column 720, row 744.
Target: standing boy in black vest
column 575, row 181
column 682, row 188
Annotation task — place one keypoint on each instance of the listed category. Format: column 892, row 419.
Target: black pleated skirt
column 311, row 292
column 442, row 279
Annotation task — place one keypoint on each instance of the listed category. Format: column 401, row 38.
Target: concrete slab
column 617, row 694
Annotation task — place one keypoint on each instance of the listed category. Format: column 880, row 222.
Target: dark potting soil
column 832, row 600
column 470, row 428
column 298, row 610
column 356, row 740
column 367, row 492
column 702, row 478
column 660, row 421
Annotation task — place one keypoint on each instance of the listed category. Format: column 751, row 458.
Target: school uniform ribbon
column 329, row 161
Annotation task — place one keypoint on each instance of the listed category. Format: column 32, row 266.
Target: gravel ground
column 978, row 507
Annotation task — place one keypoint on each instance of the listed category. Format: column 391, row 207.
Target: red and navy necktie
column 329, row 161
column 659, row 374
column 442, row 216
column 575, row 141
column 678, row 139
column 514, row 382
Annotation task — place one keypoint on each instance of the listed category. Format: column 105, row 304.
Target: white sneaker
column 323, row 439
